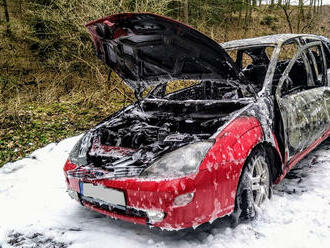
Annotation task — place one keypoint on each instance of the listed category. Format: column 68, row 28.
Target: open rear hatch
column 147, row 49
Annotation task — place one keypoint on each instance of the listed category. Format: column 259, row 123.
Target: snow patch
column 36, row 211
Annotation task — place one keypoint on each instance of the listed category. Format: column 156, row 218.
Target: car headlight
column 78, row 154
column 181, row 162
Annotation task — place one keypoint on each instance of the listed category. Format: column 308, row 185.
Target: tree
column 287, row 14
column 186, row 10
column 5, row 6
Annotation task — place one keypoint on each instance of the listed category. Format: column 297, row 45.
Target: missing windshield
column 182, row 90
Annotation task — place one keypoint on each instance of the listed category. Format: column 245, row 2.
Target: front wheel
column 254, row 186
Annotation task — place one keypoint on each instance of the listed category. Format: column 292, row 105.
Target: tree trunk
column 186, row 11
column 287, row 16
column 5, row 6
column 300, row 14
column 310, row 9
column 250, row 10
column 240, row 13
column 321, row 7
column 246, row 14
column 247, row 17
column 314, row 7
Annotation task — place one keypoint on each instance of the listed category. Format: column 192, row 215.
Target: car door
column 320, row 113
column 300, row 101
column 326, row 49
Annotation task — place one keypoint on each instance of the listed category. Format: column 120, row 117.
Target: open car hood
column 147, row 49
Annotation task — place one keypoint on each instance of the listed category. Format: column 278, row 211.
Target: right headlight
column 181, row 162
column 78, row 154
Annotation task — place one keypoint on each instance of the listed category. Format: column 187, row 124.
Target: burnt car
column 213, row 127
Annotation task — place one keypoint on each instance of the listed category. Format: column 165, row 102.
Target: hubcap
column 260, row 181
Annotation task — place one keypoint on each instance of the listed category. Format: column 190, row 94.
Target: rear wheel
column 254, row 186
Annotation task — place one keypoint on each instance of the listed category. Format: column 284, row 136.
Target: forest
column 52, row 85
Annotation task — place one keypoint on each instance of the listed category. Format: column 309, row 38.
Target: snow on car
column 214, row 126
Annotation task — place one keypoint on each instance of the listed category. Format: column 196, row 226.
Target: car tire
column 254, row 187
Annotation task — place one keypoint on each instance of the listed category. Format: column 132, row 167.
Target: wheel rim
column 260, row 181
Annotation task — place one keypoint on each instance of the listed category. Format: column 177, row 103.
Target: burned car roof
column 276, row 39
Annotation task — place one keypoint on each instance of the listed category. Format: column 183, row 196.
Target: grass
column 37, row 125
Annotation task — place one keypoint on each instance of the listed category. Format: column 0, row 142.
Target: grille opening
column 122, row 210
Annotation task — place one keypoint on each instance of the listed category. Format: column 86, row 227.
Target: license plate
column 99, row 192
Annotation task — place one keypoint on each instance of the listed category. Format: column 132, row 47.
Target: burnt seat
column 255, row 74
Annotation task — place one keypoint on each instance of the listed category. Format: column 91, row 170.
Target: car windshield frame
column 267, row 82
column 242, row 84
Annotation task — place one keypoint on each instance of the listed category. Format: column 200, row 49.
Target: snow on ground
column 35, row 211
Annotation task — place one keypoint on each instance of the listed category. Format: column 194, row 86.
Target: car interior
column 297, row 79
column 253, row 63
column 182, row 90
column 256, row 71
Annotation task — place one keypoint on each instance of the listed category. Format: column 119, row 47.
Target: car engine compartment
column 130, row 140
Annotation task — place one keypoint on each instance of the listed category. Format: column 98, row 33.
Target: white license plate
column 99, row 192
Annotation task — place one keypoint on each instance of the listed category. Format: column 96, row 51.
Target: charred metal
column 147, row 130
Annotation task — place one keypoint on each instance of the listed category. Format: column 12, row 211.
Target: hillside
column 53, row 86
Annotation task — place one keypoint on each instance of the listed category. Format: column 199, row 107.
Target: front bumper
column 143, row 196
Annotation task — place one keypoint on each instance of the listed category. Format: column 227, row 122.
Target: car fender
column 225, row 160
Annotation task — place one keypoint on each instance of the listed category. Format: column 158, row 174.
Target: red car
column 214, row 126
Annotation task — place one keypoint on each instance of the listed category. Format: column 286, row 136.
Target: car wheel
column 254, row 186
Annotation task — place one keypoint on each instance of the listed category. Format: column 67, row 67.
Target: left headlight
column 181, row 162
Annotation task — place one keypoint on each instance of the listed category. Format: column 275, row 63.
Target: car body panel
column 301, row 155
column 304, row 114
column 304, row 119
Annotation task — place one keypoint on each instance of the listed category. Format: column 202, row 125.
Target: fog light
column 73, row 194
column 182, row 200
column 155, row 216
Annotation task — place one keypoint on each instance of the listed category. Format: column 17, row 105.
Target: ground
column 36, row 211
